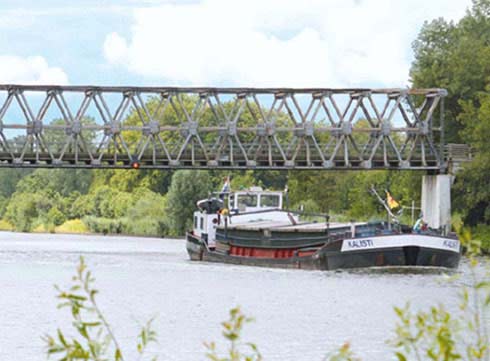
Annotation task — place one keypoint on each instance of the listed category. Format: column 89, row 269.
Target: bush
column 482, row 233
column 72, row 226
column 187, row 188
column 308, row 206
column 148, row 227
column 103, row 225
column 55, row 217
column 22, row 211
column 40, row 228
column 6, row 226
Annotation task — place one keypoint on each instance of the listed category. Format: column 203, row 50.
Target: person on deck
column 420, row 225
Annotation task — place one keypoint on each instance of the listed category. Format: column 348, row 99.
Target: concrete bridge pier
column 436, row 201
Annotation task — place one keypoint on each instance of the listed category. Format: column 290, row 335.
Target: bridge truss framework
column 221, row 128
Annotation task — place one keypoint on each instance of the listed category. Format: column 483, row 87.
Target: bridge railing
column 458, row 152
column 456, row 155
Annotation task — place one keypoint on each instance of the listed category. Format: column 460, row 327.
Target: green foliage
column 428, row 335
column 95, row 338
column 457, row 57
column 187, row 187
column 308, row 206
column 232, row 330
column 348, row 192
column 72, row 226
column 344, row 353
column 329, row 190
column 147, row 216
column 109, row 202
column 62, row 181
column 42, row 202
column 104, row 225
column 440, row 335
column 55, row 216
column 482, row 234
column 454, row 56
column 3, row 205
column 6, row 226
column 22, row 211
column 473, row 198
column 9, row 177
column 244, row 180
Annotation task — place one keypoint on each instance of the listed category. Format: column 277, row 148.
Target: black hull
column 397, row 257
column 331, row 257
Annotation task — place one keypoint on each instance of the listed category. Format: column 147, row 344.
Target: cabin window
column 269, row 200
column 247, row 200
column 202, row 223
column 195, row 221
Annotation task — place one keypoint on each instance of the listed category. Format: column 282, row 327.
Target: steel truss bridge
column 223, row 128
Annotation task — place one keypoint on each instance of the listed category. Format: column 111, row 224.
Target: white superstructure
column 244, row 206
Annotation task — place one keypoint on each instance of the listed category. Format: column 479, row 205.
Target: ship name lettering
column 451, row 244
column 362, row 243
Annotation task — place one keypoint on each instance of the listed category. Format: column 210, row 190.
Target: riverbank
column 62, row 231
column 117, row 227
column 94, row 225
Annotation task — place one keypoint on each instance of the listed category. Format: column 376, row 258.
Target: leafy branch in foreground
column 96, row 340
column 232, row 330
column 440, row 335
column 435, row 334
column 344, row 353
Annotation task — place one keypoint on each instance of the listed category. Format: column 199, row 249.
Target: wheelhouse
column 254, row 199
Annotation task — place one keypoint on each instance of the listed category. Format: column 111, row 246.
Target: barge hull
column 397, row 257
column 332, row 258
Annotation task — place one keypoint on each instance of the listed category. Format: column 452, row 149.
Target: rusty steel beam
column 228, row 128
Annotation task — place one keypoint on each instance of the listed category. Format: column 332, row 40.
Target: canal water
column 299, row 315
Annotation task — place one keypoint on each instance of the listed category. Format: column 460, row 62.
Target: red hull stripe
column 268, row 252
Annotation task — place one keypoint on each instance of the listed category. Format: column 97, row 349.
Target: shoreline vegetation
column 79, row 227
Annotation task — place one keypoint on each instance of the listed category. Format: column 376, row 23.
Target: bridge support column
column 436, row 201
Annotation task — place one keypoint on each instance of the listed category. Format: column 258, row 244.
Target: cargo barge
column 251, row 227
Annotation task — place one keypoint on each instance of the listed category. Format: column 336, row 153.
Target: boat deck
column 287, row 226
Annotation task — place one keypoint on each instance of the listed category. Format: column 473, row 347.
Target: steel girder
column 233, row 128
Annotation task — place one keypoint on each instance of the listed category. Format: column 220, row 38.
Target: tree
column 473, row 197
column 9, row 178
column 187, row 188
column 433, row 67
column 22, row 210
column 457, row 57
column 62, row 181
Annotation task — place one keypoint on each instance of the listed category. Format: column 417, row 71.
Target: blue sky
column 329, row 43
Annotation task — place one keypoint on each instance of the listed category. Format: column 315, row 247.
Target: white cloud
column 29, row 70
column 277, row 43
column 115, row 48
